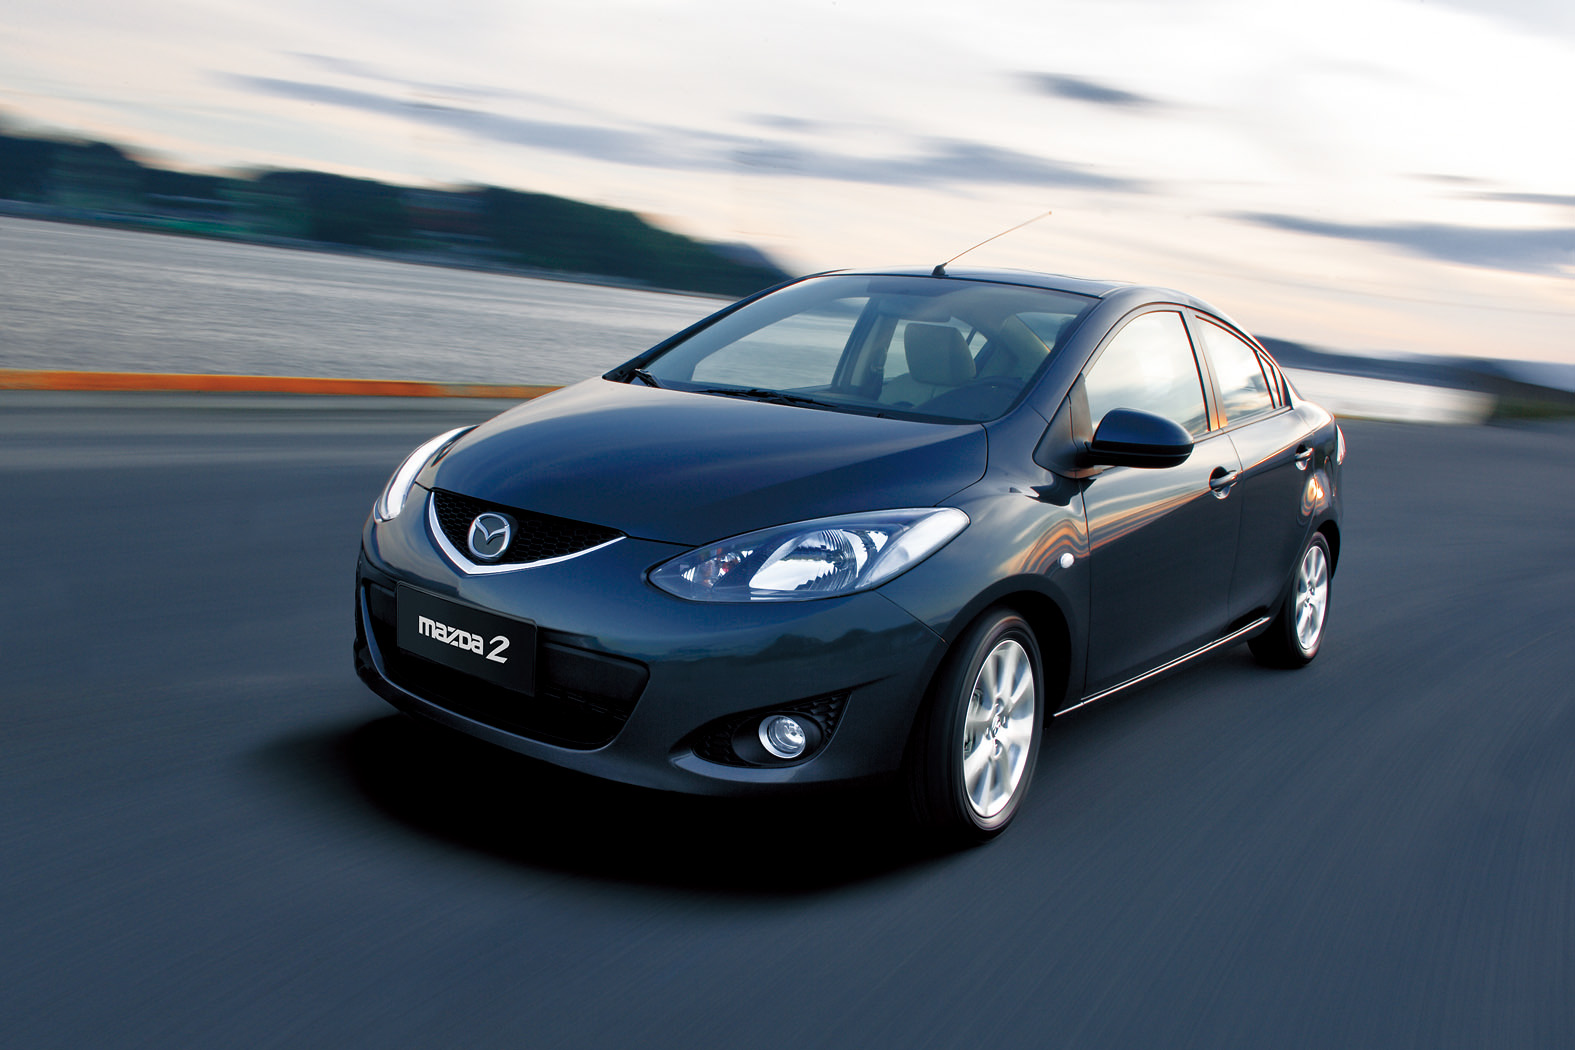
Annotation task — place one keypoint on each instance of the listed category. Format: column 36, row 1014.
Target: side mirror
column 1129, row 438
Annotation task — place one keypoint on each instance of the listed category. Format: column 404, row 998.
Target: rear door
column 1273, row 444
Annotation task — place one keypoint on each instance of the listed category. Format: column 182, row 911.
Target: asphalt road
column 214, row 836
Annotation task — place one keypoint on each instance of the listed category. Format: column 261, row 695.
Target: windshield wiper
column 776, row 397
column 645, row 377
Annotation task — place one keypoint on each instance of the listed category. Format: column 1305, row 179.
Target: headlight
column 392, row 501
column 811, row 559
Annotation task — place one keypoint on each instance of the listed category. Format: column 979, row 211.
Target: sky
column 1392, row 176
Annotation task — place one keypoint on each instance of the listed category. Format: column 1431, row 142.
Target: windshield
column 915, row 347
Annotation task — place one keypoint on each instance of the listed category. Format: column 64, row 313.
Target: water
column 1359, row 397
column 91, row 299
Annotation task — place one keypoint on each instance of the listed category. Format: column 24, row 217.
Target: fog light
column 782, row 736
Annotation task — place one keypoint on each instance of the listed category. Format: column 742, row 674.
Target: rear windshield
column 916, row 347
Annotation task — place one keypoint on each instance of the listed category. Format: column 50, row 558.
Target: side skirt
column 1162, row 668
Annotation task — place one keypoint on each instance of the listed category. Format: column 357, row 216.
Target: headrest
column 937, row 354
column 1014, row 351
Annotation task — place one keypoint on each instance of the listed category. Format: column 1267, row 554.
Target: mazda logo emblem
column 489, row 536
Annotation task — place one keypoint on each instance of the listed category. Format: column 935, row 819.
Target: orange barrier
column 38, row 379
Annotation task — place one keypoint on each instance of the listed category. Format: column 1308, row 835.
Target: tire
column 977, row 739
column 1296, row 634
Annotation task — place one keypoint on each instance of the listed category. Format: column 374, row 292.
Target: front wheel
column 978, row 737
column 1296, row 633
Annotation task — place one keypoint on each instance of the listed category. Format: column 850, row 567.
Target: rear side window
column 1244, row 390
column 1149, row 366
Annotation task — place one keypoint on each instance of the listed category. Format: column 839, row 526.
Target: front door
column 1162, row 541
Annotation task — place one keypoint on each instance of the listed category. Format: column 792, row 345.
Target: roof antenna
column 940, row 270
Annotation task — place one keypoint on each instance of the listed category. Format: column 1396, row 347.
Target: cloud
column 1557, row 200
column 597, row 143
column 350, row 68
column 935, row 162
column 1480, row 191
column 1544, row 17
column 1080, row 90
column 333, row 64
column 1544, row 251
column 784, row 123
column 958, row 162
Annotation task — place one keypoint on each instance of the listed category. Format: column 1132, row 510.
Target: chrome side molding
column 1162, row 668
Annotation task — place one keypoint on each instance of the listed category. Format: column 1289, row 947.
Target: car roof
column 1098, row 289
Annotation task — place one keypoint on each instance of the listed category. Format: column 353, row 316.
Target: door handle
column 1303, row 457
column 1221, row 481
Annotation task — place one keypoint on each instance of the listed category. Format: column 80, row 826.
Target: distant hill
column 472, row 226
column 1519, row 387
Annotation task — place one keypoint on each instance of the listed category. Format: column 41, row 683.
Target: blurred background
column 1385, row 179
column 211, row 834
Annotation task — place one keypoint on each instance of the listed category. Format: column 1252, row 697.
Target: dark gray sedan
column 863, row 526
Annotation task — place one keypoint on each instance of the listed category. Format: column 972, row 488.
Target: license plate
column 492, row 647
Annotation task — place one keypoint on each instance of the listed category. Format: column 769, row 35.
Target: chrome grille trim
column 470, row 568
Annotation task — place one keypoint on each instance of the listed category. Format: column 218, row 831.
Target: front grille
column 714, row 743
column 537, row 537
column 582, row 698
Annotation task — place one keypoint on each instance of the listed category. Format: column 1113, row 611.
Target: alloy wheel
column 1312, row 597
column 998, row 728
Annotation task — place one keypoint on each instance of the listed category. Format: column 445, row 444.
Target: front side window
column 1244, row 392
column 1149, row 366
column 944, row 349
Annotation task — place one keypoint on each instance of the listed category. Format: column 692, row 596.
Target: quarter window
column 1244, row 392
column 1149, row 366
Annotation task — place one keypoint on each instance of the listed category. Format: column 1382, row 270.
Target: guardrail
column 41, row 379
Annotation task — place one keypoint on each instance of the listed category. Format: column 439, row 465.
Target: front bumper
column 637, row 686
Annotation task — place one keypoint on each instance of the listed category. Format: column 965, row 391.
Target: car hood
column 691, row 468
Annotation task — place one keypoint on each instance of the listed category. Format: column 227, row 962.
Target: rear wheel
column 1296, row 633
column 978, row 738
